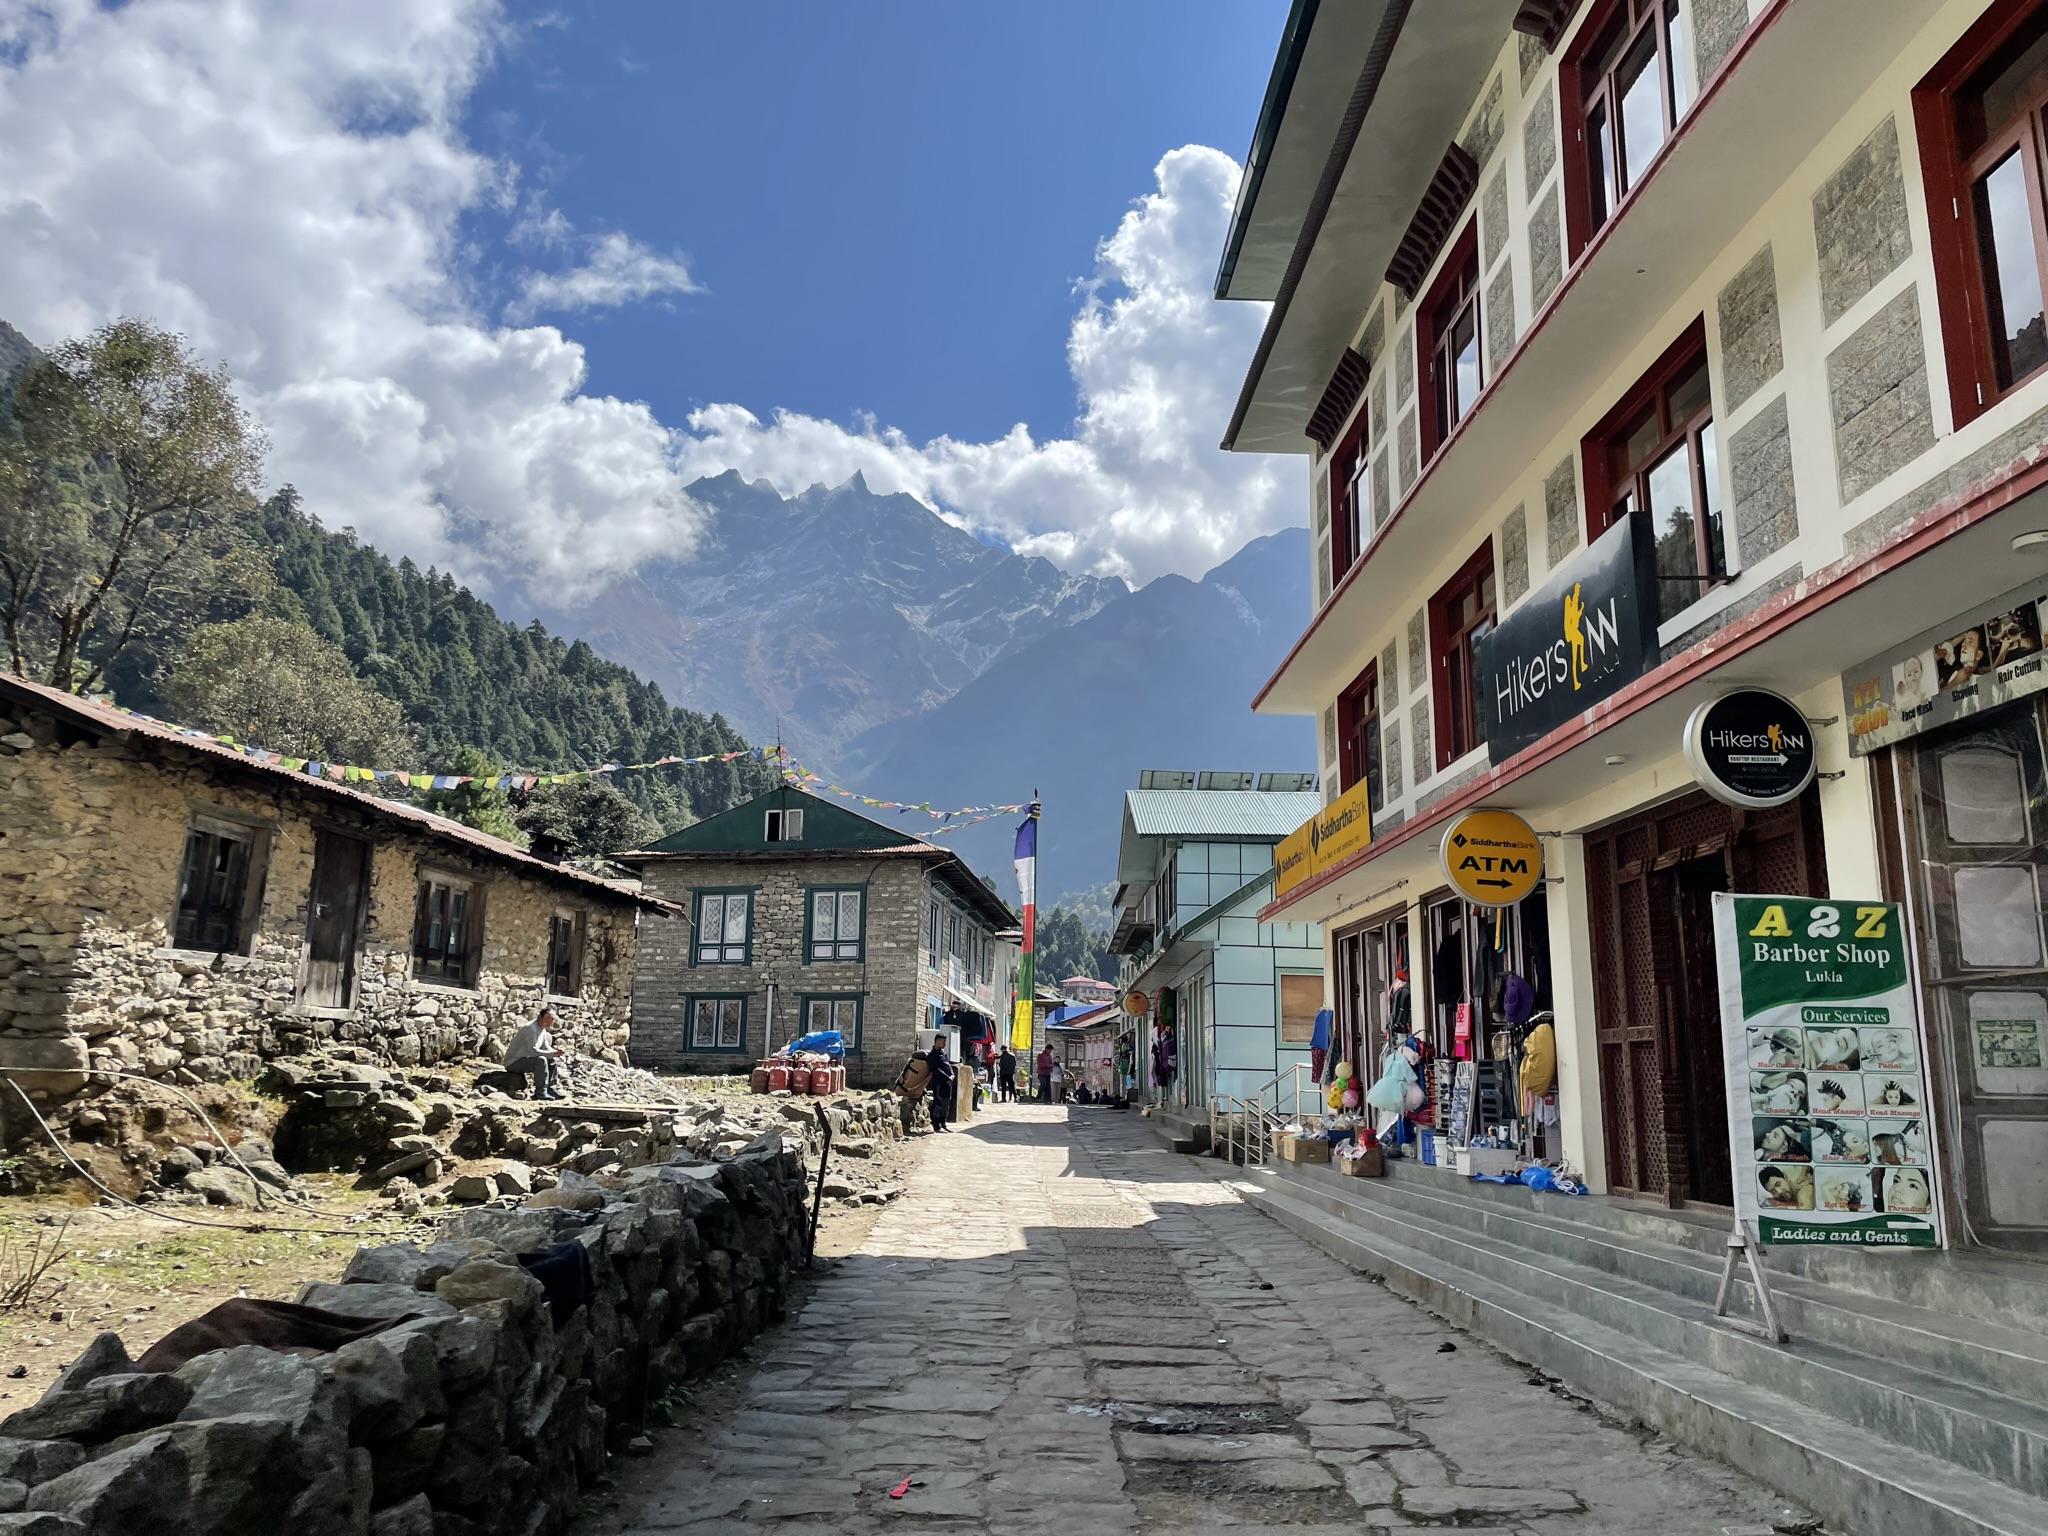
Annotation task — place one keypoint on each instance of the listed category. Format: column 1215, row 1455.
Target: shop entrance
column 1371, row 1002
column 1656, row 986
column 1973, row 798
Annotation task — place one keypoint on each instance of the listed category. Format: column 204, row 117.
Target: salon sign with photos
column 1827, row 1092
column 1978, row 660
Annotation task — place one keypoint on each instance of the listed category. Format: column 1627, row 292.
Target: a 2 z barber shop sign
column 1828, row 1121
column 1587, row 632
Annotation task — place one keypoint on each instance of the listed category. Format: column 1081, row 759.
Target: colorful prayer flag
column 1027, row 892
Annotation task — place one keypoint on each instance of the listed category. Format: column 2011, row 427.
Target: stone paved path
column 1068, row 1329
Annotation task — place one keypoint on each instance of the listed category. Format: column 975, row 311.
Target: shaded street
column 1066, row 1327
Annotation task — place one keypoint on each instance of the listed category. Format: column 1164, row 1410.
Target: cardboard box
column 1473, row 1160
column 1305, row 1149
column 1370, row 1163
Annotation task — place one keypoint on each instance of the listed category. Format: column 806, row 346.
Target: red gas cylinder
column 821, row 1081
column 757, row 1080
column 799, row 1079
column 839, row 1079
column 778, row 1076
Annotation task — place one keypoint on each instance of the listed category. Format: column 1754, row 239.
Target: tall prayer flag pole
column 1027, row 891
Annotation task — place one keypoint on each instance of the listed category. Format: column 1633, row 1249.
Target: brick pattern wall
column 894, row 978
column 92, row 840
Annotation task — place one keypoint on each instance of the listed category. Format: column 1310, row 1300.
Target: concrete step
column 2007, row 1357
column 1971, row 1284
column 1943, row 1410
column 1851, row 1476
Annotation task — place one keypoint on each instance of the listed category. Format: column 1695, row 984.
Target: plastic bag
column 1391, row 1092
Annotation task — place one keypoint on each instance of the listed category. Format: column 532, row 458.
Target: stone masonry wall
column 892, row 978
column 489, row 1413
column 91, row 843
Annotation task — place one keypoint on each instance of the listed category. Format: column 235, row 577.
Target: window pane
column 1681, row 69
column 849, row 923
column 1600, row 165
column 1717, row 537
column 735, row 920
column 1671, row 519
column 729, row 1022
column 1642, row 107
column 2017, row 83
column 1688, row 394
column 2012, row 280
column 823, row 910
column 1640, row 440
column 710, row 921
column 1466, row 340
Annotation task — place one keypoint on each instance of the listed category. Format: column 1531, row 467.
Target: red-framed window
column 1448, row 341
column 1460, row 615
column 1657, row 449
column 1628, row 77
column 1982, row 121
column 1358, row 735
column 1351, row 509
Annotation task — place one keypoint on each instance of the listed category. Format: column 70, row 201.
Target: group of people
column 934, row 1072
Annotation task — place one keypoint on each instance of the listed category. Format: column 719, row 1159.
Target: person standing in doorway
column 1045, row 1065
column 1006, row 1076
column 943, row 1083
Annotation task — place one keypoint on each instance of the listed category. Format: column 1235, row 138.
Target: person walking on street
column 1045, row 1075
column 531, row 1054
column 943, row 1083
column 1059, row 1081
column 1006, row 1076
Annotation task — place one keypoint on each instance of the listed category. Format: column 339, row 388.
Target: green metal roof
column 744, row 829
column 1153, row 816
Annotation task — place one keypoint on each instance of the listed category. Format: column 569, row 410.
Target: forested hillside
column 467, row 678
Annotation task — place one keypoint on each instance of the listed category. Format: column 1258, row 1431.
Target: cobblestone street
column 1066, row 1327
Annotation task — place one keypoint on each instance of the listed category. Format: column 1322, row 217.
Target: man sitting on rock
column 532, row 1053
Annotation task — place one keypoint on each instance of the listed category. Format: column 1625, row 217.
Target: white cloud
column 282, row 181
column 1139, row 487
column 285, row 180
column 620, row 271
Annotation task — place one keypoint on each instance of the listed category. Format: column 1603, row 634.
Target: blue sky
column 887, row 205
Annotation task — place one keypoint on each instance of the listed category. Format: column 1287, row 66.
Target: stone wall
column 490, row 1412
column 892, row 978
column 92, row 839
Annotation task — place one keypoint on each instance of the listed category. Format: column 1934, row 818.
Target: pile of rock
column 488, row 1411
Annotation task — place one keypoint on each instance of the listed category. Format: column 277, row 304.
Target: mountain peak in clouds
column 813, row 618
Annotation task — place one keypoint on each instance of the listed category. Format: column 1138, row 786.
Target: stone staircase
column 1911, row 1401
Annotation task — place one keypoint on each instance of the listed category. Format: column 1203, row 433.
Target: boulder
column 562, row 1197
column 514, row 1179
column 37, row 1461
column 177, row 1162
column 104, row 1356
column 527, row 1230
column 223, row 1185
column 403, row 1264
column 250, row 1380
column 369, row 1300
column 50, row 1065
column 486, row 1280
column 414, row 1517
column 39, row 1523
column 123, row 1492
column 101, row 1409
column 473, row 1188
column 854, row 1146
column 390, row 1383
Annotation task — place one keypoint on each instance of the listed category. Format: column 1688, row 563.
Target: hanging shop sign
column 1325, row 840
column 1827, row 1091
column 1750, row 748
column 1587, row 632
column 1988, row 656
column 1493, row 857
column 1136, row 1002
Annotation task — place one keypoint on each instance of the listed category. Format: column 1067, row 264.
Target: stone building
column 1649, row 358
column 803, row 915
column 171, row 906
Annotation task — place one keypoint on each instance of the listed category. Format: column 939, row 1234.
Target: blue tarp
column 828, row 1041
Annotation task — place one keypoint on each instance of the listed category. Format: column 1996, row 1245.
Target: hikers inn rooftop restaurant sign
column 1827, row 1088
column 1584, row 634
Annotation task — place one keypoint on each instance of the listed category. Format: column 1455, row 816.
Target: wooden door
column 334, row 919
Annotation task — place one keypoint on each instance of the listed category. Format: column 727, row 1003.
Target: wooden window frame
column 1460, row 265
column 570, row 926
column 1949, row 177
column 1605, row 487
column 432, row 966
column 838, row 940
column 697, row 945
column 1577, row 101
column 690, row 1002
column 859, row 1000
column 1351, row 509
column 1360, row 754
column 1449, row 644
column 783, row 824
column 206, row 827
column 933, row 934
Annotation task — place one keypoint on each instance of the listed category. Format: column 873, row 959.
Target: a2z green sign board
column 1827, row 1086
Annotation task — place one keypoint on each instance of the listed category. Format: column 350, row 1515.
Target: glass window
column 722, row 927
column 1454, row 332
column 1665, row 459
column 213, row 889
column 565, row 954
column 718, row 1023
column 1636, row 84
column 443, row 935
column 840, row 1013
column 835, row 925
column 1358, row 726
column 784, row 827
column 1461, row 616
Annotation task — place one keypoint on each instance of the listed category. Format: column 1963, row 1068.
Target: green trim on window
column 860, row 1009
column 690, row 1002
column 860, row 953
column 697, row 895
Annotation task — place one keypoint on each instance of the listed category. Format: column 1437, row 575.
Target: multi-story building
column 802, row 915
column 1236, row 996
column 1727, row 315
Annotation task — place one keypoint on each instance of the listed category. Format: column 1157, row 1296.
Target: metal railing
column 1241, row 1127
